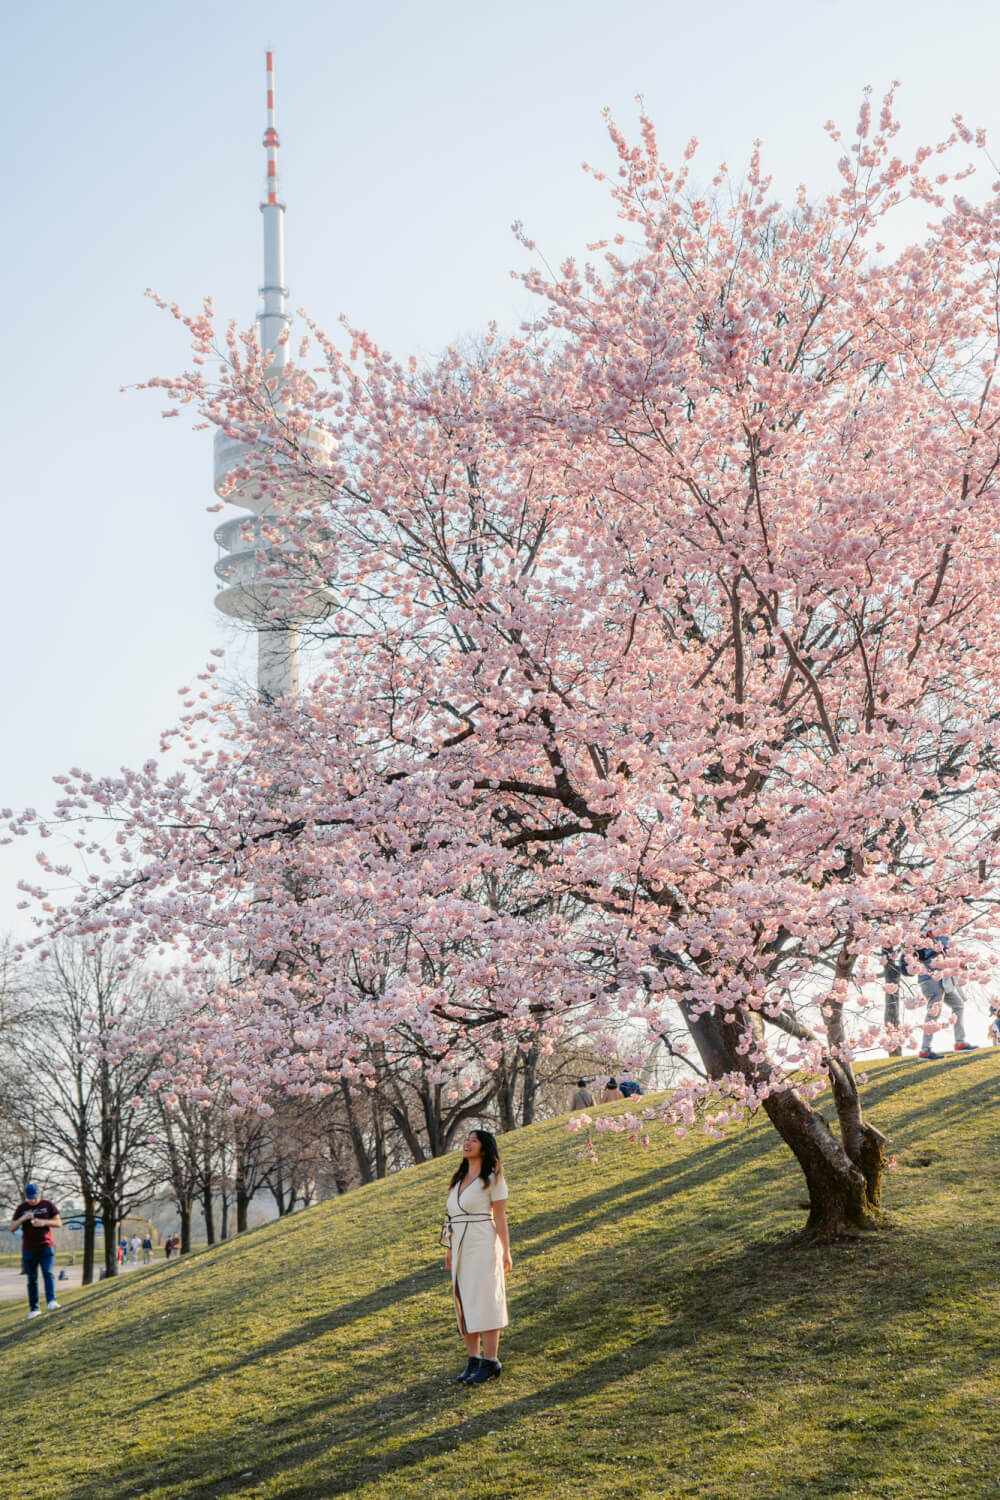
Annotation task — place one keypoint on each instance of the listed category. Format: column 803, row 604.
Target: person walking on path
column 582, row 1097
column 36, row 1217
column 478, row 1254
column 147, row 1250
column 611, row 1091
column 939, row 991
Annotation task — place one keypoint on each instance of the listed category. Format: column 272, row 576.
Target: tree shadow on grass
column 347, row 1444
column 895, row 1080
column 961, row 1099
column 534, row 1236
column 90, row 1300
column 352, row 1434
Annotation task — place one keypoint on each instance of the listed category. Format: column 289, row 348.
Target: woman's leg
column 489, row 1365
column 471, row 1339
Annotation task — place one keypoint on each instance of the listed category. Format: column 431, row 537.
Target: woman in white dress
column 478, row 1254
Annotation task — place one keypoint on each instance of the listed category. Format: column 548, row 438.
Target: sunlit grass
column 668, row 1336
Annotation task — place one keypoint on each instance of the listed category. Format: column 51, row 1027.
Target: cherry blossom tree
column 673, row 617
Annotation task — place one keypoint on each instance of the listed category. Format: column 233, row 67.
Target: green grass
column 669, row 1338
column 63, row 1258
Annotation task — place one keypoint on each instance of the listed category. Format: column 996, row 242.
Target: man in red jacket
column 36, row 1218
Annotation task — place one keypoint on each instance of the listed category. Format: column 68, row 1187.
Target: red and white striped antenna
column 271, row 135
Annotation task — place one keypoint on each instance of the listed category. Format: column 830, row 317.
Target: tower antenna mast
column 273, row 319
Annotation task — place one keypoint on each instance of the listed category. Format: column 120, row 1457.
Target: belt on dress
column 449, row 1224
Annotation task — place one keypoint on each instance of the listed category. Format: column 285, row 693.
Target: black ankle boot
column 470, row 1369
column 489, row 1369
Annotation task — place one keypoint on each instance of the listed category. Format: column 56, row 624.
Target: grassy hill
column 667, row 1338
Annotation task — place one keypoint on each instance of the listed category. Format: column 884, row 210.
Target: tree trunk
column 378, row 1133
column 892, row 976
column 277, row 1185
column 843, row 1197
column 109, row 1219
column 340, row 1181
column 529, row 1088
column 357, row 1139
column 430, row 1098
column 89, row 1239
column 505, row 1095
column 708, row 1036
column 208, row 1209
column 185, row 1212
column 401, row 1115
column 844, row 1178
column 240, row 1183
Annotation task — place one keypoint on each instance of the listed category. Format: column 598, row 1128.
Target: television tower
column 257, row 585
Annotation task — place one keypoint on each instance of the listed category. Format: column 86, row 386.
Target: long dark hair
column 490, row 1159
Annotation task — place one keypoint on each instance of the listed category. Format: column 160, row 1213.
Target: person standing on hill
column 938, row 992
column 478, row 1254
column 582, row 1097
column 36, row 1217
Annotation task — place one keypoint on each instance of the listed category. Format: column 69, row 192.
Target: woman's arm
column 499, row 1212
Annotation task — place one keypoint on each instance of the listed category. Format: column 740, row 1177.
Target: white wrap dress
column 477, row 1277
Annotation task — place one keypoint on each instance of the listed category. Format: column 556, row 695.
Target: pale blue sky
column 411, row 137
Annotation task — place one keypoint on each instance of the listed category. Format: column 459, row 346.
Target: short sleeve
column 498, row 1189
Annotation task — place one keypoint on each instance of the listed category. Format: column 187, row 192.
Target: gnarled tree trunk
column 843, row 1176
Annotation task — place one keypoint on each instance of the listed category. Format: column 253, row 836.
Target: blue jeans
column 30, row 1261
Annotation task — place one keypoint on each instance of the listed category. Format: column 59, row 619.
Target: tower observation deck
column 260, row 581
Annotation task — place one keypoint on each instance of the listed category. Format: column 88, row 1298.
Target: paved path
column 13, row 1284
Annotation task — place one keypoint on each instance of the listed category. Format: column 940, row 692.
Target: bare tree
column 92, row 1111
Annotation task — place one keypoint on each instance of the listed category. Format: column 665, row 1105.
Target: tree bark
column 843, row 1178
column 208, row 1209
column 707, row 1034
column 892, row 975
column 529, row 1087
column 89, row 1239
column 839, row 1197
column 357, row 1139
column 506, row 1079
column 378, row 1136
column 240, row 1183
column 109, row 1219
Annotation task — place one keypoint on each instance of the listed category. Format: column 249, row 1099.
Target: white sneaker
column 36, row 1312
column 52, row 1305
